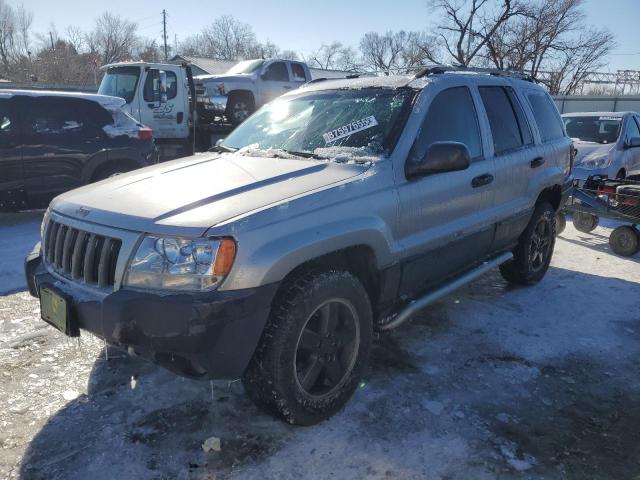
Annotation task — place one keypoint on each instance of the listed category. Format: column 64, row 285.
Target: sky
column 303, row 26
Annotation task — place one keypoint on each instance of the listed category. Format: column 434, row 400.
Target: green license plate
column 54, row 309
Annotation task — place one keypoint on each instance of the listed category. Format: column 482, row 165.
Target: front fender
column 274, row 260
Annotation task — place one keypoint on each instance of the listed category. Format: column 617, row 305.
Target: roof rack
column 440, row 69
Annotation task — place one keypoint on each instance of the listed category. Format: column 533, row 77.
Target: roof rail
column 316, row 80
column 440, row 69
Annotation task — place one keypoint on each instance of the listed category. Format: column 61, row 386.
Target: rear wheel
column 585, row 222
column 625, row 241
column 314, row 350
column 532, row 255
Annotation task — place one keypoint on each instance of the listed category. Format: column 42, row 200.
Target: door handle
column 536, row 162
column 287, row 88
column 481, row 180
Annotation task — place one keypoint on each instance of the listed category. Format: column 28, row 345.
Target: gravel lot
column 491, row 382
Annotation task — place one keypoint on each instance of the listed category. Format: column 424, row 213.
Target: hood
column 590, row 150
column 196, row 193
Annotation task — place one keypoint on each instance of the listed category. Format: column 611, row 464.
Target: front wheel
column 314, row 350
column 239, row 108
column 534, row 250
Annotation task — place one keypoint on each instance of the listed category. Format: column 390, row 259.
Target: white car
column 607, row 143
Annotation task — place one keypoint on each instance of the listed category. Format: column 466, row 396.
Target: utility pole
column 51, row 37
column 164, row 34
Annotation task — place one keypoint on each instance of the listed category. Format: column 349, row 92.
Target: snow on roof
column 391, row 81
column 104, row 100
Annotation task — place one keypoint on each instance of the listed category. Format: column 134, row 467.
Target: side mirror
column 632, row 142
column 162, row 77
column 440, row 157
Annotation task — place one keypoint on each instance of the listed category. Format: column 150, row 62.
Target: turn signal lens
column 224, row 257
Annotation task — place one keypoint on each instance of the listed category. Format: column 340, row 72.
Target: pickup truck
column 247, row 86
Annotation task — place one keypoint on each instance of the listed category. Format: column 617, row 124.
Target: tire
column 239, row 108
column 534, row 250
column 561, row 222
column 585, row 222
column 305, row 378
column 625, row 241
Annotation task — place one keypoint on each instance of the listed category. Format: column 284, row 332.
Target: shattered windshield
column 247, row 66
column 593, row 129
column 337, row 124
column 120, row 82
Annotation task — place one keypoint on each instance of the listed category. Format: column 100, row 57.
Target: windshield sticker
column 350, row 129
column 609, row 118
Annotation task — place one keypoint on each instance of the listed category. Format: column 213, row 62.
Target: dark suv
column 51, row 142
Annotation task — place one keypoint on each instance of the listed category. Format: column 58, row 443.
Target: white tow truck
column 185, row 111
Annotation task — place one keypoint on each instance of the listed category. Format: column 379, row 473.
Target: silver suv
column 337, row 210
column 607, row 143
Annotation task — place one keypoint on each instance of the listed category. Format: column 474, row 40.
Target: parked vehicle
column 158, row 95
column 51, row 142
column 607, row 143
column 246, row 87
column 341, row 208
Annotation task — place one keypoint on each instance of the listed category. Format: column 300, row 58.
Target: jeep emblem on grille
column 83, row 211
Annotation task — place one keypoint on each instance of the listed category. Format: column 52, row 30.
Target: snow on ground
column 491, row 382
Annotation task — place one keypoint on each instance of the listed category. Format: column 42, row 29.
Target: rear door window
column 59, row 119
column 451, row 117
column 504, row 123
column 277, row 71
column 546, row 116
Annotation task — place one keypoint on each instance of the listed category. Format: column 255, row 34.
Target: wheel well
column 241, row 93
column 553, row 195
column 358, row 260
column 111, row 164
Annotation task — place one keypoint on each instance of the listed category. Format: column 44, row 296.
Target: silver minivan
column 607, row 143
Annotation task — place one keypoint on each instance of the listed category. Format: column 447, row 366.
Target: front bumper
column 584, row 173
column 205, row 335
column 216, row 104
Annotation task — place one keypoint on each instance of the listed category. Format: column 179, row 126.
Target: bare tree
column 469, row 24
column 76, row 38
column 15, row 26
column 551, row 36
column 289, row 55
column 397, row 51
column 225, row 39
column 334, row 56
column 113, row 39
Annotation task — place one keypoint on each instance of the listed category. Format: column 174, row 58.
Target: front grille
column 81, row 256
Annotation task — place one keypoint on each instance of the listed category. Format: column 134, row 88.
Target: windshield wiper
column 221, row 149
column 304, row 154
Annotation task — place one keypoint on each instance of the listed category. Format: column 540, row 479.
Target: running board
column 431, row 297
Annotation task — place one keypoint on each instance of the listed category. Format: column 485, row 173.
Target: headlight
column 180, row 264
column 596, row 162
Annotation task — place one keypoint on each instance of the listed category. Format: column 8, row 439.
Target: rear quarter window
column 546, row 116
